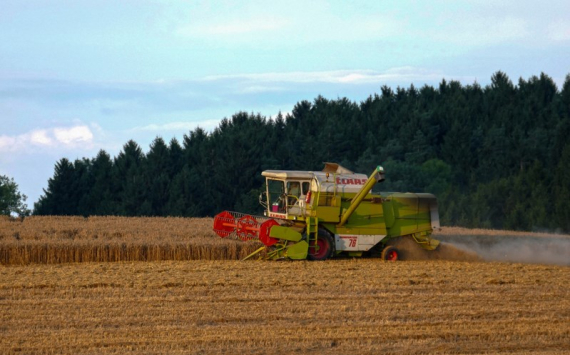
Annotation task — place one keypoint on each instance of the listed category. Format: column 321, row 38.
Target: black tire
column 325, row 247
column 390, row 254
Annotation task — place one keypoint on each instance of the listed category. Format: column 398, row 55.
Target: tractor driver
column 293, row 192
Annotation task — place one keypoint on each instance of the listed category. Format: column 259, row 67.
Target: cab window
column 275, row 193
column 293, row 188
column 306, row 187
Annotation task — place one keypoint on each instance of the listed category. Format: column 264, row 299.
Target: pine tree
column 562, row 191
column 157, row 171
column 57, row 198
column 101, row 197
column 128, row 173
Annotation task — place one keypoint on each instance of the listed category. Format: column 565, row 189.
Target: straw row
column 52, row 240
column 22, row 254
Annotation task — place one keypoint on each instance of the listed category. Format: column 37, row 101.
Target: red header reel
column 244, row 227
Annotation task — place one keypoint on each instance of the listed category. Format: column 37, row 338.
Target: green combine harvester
column 318, row 215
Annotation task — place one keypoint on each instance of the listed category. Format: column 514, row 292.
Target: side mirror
column 263, row 199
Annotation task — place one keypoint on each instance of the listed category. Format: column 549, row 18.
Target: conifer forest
column 496, row 156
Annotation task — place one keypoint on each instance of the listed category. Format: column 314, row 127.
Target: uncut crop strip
column 71, row 239
column 21, row 254
column 53, row 240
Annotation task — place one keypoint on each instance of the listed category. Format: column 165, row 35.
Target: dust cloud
column 410, row 250
column 554, row 250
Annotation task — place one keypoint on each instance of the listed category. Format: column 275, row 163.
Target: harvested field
column 361, row 306
column 54, row 301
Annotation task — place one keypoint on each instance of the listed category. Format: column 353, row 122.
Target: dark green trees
column 157, row 171
column 101, row 195
column 496, row 156
column 561, row 191
column 58, row 199
column 128, row 178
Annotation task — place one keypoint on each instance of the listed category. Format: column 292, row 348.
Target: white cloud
column 79, row 136
column 256, row 89
column 559, row 31
column 6, row 142
column 507, row 29
column 332, row 77
column 231, row 28
column 282, row 24
column 73, row 135
column 178, row 126
column 283, row 114
column 480, row 31
column 39, row 137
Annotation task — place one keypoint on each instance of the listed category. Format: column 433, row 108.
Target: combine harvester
column 322, row 214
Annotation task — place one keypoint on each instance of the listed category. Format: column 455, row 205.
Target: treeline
column 496, row 156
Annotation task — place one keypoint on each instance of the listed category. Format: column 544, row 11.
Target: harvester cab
column 321, row 214
column 285, row 196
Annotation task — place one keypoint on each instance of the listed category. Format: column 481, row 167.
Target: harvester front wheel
column 390, row 254
column 324, row 247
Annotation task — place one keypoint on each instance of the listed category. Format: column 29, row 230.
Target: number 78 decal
column 349, row 241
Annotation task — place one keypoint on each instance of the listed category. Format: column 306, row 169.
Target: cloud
column 73, row 135
column 231, row 28
column 559, row 31
column 255, row 89
column 279, row 25
column 79, row 136
column 6, row 142
column 470, row 31
column 508, row 28
column 178, row 126
column 282, row 113
column 318, row 24
column 39, row 137
column 331, row 77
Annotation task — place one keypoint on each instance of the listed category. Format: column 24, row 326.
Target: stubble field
column 345, row 306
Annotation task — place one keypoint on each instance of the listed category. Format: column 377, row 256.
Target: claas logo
column 340, row 181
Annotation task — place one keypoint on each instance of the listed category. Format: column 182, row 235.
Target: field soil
column 360, row 306
column 114, row 285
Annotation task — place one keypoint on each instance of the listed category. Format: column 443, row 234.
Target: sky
column 77, row 76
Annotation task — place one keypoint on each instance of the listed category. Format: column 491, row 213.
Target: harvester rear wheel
column 390, row 254
column 324, row 248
